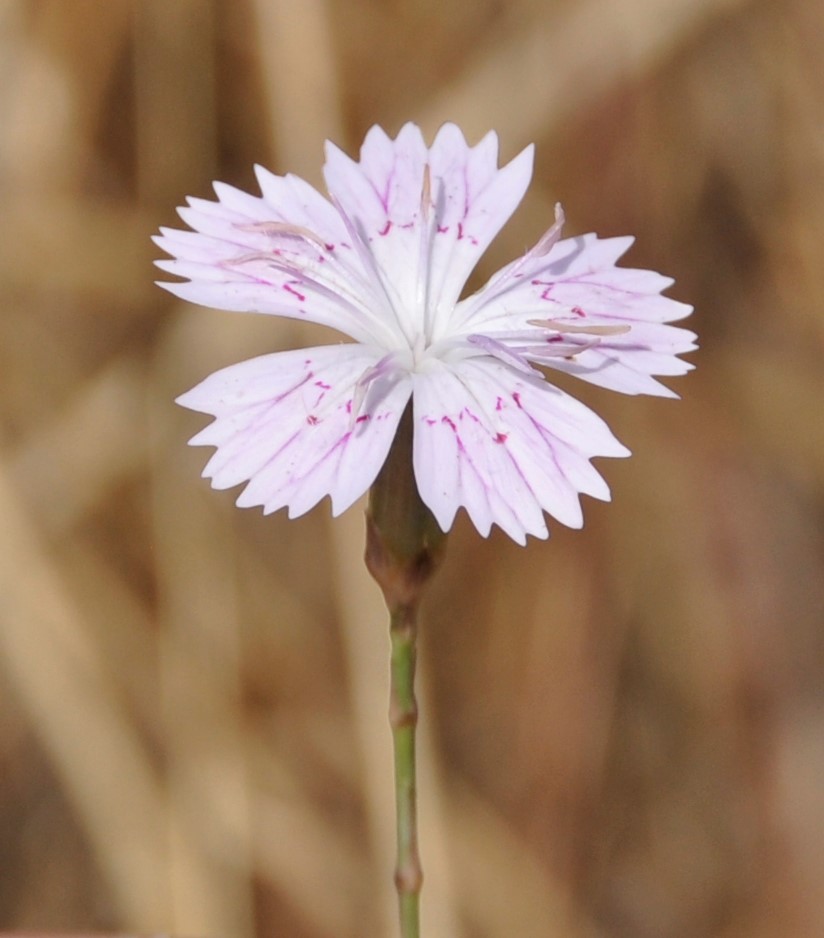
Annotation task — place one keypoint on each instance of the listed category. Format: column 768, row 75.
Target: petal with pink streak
column 506, row 447
column 474, row 200
column 284, row 424
column 627, row 364
column 286, row 254
column 578, row 284
column 426, row 254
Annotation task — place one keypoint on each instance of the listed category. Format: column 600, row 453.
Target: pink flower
column 384, row 260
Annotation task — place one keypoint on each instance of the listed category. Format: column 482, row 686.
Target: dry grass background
column 623, row 727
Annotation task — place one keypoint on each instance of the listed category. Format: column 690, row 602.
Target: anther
column 426, row 192
column 557, row 326
column 282, row 228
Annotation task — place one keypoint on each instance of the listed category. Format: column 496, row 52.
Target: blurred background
column 623, row 727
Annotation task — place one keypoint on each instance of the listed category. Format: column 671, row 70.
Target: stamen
column 339, row 294
column 557, row 326
column 509, row 277
column 370, row 265
column 500, row 351
column 550, row 236
column 562, row 350
column 252, row 256
column 425, row 250
column 273, row 228
column 296, row 268
column 371, row 374
column 426, row 193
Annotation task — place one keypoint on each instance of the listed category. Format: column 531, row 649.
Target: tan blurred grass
column 622, row 727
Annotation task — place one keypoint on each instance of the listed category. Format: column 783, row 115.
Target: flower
column 384, row 260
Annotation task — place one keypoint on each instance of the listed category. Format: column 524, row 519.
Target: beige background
column 623, row 728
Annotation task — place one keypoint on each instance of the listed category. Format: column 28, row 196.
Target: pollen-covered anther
column 275, row 260
column 426, row 193
column 284, row 229
column 557, row 326
column 250, row 258
column 550, row 237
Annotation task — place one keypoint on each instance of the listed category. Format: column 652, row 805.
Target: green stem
column 404, row 546
column 403, row 717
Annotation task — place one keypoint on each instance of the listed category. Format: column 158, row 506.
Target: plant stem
column 403, row 717
column 404, row 547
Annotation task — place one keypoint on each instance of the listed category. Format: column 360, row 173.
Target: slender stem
column 403, row 717
column 404, row 546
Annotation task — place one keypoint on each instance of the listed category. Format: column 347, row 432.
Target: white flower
column 384, row 261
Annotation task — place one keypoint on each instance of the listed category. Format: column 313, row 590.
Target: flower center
column 419, row 350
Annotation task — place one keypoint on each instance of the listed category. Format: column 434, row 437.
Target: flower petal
column 427, row 234
column 506, row 447
column 284, row 423
column 474, row 201
column 286, row 254
column 577, row 284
